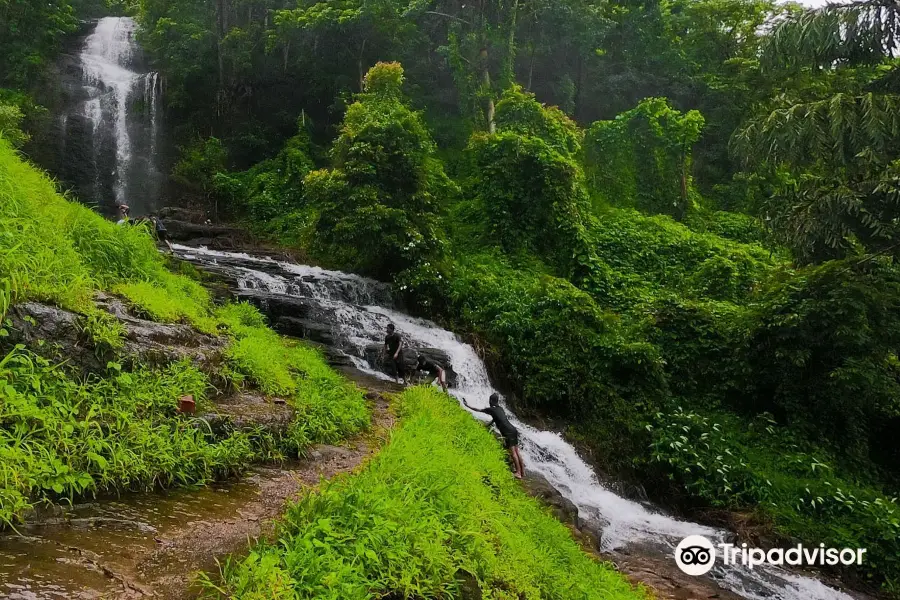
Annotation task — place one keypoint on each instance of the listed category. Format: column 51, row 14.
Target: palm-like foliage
column 865, row 31
column 836, row 154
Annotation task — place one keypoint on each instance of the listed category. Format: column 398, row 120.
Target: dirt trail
column 152, row 545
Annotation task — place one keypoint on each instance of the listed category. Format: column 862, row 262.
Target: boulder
column 146, row 342
column 278, row 306
column 200, row 233
column 307, row 329
column 563, row 508
column 187, row 215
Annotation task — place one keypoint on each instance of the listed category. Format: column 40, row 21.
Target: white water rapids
column 358, row 311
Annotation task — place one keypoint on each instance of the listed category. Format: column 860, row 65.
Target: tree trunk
column 531, row 68
column 511, row 45
column 220, row 34
column 488, row 93
column 579, row 90
column 359, row 66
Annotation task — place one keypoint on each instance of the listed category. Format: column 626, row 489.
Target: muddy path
column 152, row 545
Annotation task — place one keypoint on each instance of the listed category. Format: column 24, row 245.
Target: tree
column 642, row 158
column 529, row 183
column 378, row 206
column 830, row 154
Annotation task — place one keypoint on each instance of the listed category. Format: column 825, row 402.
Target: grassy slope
column 437, row 505
column 63, row 436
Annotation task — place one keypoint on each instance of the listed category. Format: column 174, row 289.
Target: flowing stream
column 357, row 310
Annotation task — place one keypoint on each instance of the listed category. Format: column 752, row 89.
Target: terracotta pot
column 187, row 405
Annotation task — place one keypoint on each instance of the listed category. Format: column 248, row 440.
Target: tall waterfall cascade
column 357, row 311
column 108, row 131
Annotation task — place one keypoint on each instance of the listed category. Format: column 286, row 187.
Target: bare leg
column 517, row 461
column 443, row 381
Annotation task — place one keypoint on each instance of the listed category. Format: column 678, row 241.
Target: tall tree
column 831, row 152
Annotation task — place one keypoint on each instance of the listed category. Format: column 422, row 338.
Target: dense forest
column 672, row 225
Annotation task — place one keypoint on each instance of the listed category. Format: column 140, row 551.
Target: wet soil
column 153, row 545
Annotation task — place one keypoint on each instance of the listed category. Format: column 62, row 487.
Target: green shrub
column 436, row 506
column 564, row 355
column 823, row 353
column 378, row 206
column 642, row 158
column 739, row 464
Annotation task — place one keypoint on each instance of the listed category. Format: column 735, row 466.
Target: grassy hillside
column 66, row 434
column 435, row 511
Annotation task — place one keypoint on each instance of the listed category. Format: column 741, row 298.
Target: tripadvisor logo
column 696, row 555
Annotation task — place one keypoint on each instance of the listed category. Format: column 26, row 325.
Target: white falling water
column 107, row 60
column 626, row 524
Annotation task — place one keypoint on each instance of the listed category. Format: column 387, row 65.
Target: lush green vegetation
column 702, row 229
column 65, row 434
column 611, row 319
column 436, row 510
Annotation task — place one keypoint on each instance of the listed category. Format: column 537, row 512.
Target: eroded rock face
column 563, row 508
column 60, row 334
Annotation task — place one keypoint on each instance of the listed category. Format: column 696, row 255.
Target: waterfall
column 358, row 310
column 121, row 106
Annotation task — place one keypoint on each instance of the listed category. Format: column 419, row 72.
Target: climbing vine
column 642, row 158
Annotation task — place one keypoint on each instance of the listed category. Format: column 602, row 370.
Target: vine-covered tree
column 378, row 206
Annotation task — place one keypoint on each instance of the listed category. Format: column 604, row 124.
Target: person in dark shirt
column 393, row 347
column 510, row 434
column 435, row 370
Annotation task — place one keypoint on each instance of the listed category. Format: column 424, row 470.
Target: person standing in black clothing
column 393, row 347
column 435, row 370
column 510, row 434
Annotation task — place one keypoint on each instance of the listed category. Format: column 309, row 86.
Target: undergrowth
column 434, row 511
column 64, row 435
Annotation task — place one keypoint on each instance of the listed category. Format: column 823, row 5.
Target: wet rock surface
column 60, row 334
column 377, row 360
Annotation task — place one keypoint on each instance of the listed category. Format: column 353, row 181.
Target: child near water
column 510, row 434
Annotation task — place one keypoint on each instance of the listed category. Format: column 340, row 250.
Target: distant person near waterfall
column 435, row 370
column 510, row 434
column 123, row 215
column 393, row 347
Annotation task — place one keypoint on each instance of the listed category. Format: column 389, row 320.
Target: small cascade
column 357, row 310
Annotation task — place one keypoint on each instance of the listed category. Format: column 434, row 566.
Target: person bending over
column 393, row 347
column 434, row 370
column 510, row 434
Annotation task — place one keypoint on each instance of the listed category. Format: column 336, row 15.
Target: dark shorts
column 511, row 440
column 398, row 366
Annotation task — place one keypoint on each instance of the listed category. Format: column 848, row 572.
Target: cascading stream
column 358, row 310
column 122, row 108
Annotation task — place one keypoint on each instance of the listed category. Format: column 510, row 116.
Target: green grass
column 61, row 252
column 438, row 505
column 64, row 435
column 329, row 407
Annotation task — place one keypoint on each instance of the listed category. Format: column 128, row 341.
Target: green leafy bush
column 732, row 463
column 378, row 206
column 436, row 510
column 528, row 183
column 642, row 158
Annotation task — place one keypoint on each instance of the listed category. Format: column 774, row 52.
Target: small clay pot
column 187, row 405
